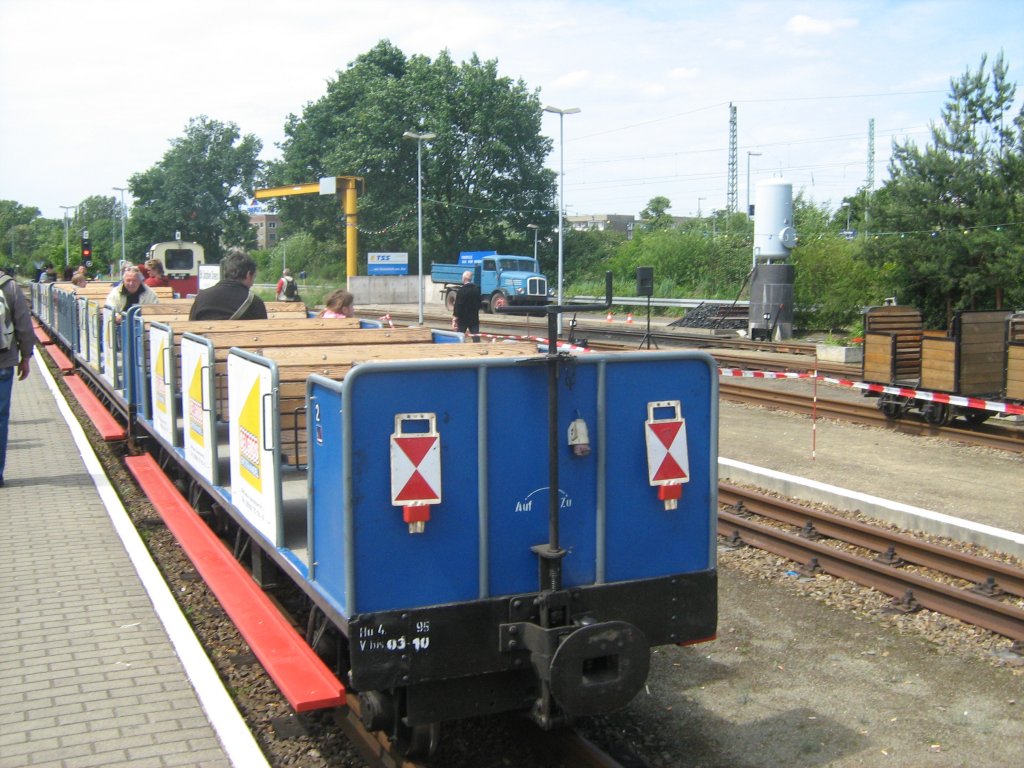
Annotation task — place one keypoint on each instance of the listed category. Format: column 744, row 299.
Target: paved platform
column 98, row 667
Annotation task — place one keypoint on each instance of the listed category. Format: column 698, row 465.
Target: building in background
column 265, row 221
column 620, row 222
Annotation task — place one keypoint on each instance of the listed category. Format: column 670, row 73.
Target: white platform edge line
column 865, row 498
column 235, row 736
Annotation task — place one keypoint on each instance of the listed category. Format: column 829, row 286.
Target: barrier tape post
column 814, row 414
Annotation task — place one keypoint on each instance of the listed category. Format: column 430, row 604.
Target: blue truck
column 503, row 280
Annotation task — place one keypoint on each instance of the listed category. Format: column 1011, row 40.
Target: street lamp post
column 749, row 155
column 419, row 138
column 535, row 228
column 122, row 190
column 67, row 252
column 561, row 195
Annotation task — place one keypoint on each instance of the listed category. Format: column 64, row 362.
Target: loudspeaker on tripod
column 645, row 281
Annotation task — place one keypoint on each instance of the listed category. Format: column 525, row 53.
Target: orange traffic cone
column 629, row 317
column 609, row 318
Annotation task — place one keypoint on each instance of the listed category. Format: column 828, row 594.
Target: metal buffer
column 330, row 185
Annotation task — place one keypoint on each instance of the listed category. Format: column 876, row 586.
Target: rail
column 642, row 301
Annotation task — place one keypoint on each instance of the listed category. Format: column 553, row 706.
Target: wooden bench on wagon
column 296, row 364
column 261, row 335
column 171, row 309
column 892, row 345
column 98, row 291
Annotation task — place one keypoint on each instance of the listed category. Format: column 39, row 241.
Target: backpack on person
column 291, row 289
column 6, row 316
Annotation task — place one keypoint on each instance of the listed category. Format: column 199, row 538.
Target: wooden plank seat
column 99, row 291
column 172, row 309
column 287, row 309
column 296, row 364
column 259, row 335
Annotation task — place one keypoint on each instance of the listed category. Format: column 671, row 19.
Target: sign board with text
column 387, row 263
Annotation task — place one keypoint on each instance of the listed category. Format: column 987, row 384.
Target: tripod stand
column 647, row 336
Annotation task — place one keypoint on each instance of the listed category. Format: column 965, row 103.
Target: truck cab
column 504, row 279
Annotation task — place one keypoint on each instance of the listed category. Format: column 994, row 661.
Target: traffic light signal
column 86, row 248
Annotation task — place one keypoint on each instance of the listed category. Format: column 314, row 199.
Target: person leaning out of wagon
column 129, row 292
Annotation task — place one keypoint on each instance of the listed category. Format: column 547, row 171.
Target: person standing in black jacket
column 231, row 298
column 466, row 317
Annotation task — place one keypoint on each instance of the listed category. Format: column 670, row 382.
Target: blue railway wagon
column 460, row 619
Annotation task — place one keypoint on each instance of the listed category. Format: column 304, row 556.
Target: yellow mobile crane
column 330, row 185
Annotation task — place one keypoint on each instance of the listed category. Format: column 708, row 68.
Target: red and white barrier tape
column 974, row 403
column 763, row 374
column 536, row 339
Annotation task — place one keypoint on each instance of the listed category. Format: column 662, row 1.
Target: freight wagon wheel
column 937, row 414
column 498, row 300
column 976, row 418
column 449, row 299
column 890, row 406
column 417, row 741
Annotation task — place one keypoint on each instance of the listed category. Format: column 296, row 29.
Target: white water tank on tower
column 774, row 234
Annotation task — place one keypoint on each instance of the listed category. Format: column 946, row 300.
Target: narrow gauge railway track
column 987, row 435
column 565, row 747
column 980, row 591
column 622, row 337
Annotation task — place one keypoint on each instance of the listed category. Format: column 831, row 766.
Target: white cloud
column 805, row 25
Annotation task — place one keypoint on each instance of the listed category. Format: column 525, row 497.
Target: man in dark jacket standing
column 14, row 355
column 466, row 317
column 231, row 298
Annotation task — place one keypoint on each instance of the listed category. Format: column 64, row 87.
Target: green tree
column 16, row 229
column 484, row 178
column 951, row 202
column 199, row 189
column 656, row 215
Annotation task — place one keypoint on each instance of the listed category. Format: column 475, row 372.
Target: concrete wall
column 392, row 289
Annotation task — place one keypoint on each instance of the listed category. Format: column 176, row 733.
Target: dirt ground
column 793, row 681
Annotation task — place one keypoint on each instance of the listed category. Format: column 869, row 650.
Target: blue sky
column 91, row 93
